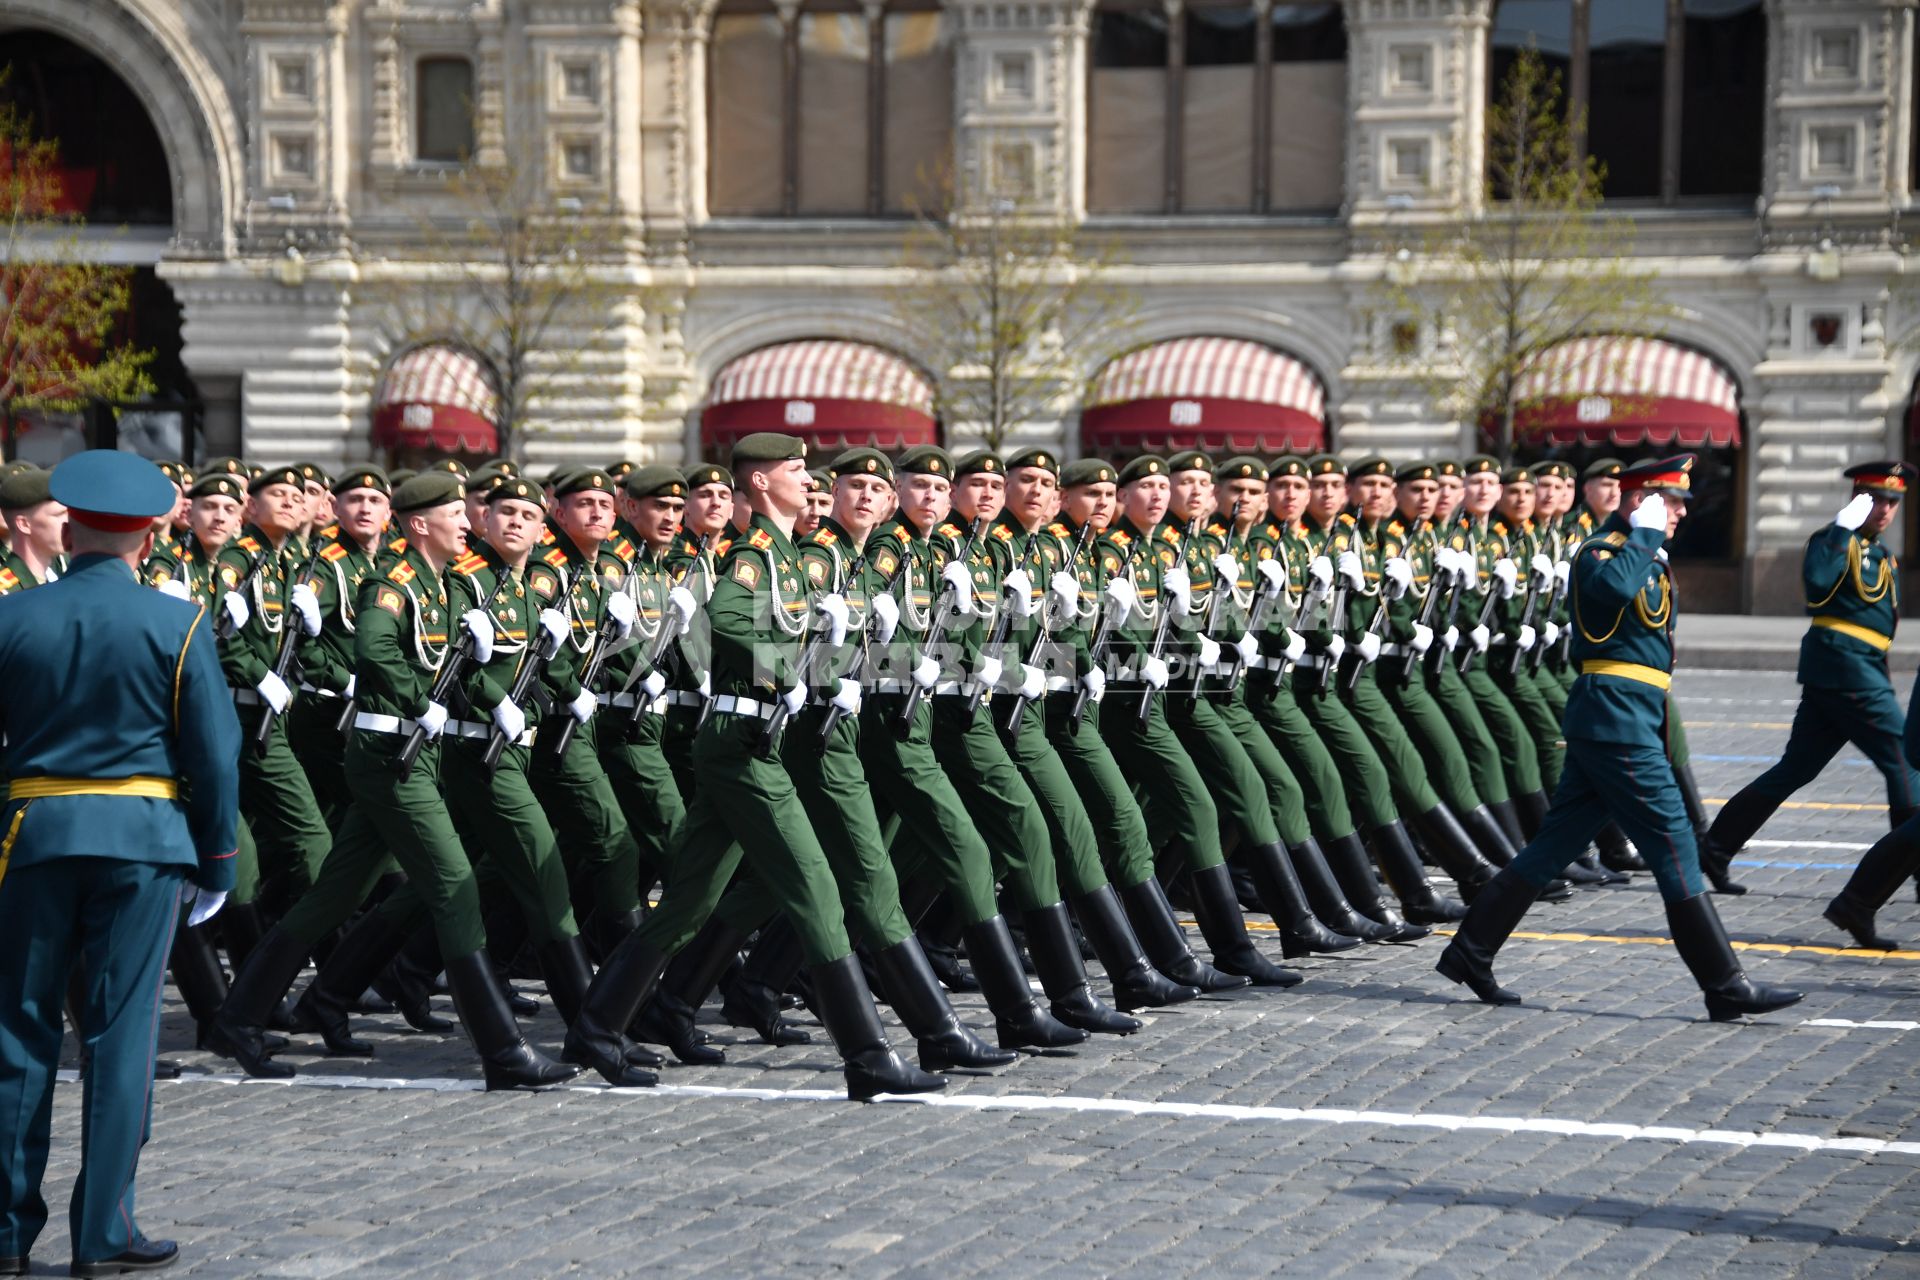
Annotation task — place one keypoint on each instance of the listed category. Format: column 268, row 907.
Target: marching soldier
column 34, row 519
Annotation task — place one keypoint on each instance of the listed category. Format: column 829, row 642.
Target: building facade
column 288, row 175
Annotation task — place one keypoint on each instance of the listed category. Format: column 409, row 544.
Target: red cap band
column 110, row 524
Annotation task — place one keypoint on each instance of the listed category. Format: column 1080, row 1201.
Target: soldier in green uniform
column 706, row 535
column 1623, row 611
column 1852, row 583
column 34, row 519
column 120, row 811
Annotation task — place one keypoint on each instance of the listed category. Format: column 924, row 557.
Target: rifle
column 661, row 641
column 1102, row 639
column 1043, row 639
column 1428, row 607
column 1214, row 610
column 557, row 733
column 1162, row 627
column 284, row 659
column 222, row 626
column 943, row 612
column 1456, row 586
column 452, row 667
column 809, row 658
column 1527, row 613
column 1553, row 600
column 858, row 667
column 1486, row 615
column 533, row 664
column 1336, row 617
column 996, row 639
column 1374, row 627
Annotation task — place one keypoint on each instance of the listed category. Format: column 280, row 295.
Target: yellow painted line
column 1765, row 948
column 1815, row 804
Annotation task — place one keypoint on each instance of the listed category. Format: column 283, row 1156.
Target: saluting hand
column 1855, row 513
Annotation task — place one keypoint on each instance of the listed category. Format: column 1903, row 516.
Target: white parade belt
column 483, row 730
column 728, row 704
column 376, row 723
column 629, row 701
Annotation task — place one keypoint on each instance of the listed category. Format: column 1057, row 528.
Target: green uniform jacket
column 400, row 637
column 1622, row 601
column 1855, row 580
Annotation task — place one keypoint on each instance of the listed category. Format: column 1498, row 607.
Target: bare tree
column 1540, row 261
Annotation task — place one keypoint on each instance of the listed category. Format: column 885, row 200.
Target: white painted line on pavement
column 1848, row 846
column 1862, row 1026
column 1123, row 1106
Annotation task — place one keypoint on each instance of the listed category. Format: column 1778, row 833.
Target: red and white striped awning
column 437, row 398
column 1220, row 394
column 834, row 395
column 1625, row 391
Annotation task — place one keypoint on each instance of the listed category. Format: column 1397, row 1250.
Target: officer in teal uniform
column 1622, row 608
column 122, row 746
column 1852, row 583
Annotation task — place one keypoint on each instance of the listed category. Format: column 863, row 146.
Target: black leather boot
column 1056, row 954
column 1893, row 858
column 1508, row 817
column 846, row 1007
column 690, row 978
column 1218, row 912
column 506, row 930
column 241, row 928
column 754, row 999
column 1532, row 808
column 359, row 956
column 1615, row 853
column 939, row 933
column 1485, row 831
column 604, row 932
column 1701, row 940
column 597, row 1036
column 1450, row 845
column 197, row 973
column 408, row 982
column 945, row 1042
column 569, row 976
column 1165, row 942
column 1281, row 896
column 1324, row 896
column 1690, row 797
column 1585, row 870
column 239, row 1029
column 1739, row 818
column 506, row 1059
column 1136, row 983
column 1019, row 1021
column 1418, row 898
column 1347, row 859
column 1495, row 914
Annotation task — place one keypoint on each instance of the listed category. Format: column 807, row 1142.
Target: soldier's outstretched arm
column 1610, row 578
column 207, row 748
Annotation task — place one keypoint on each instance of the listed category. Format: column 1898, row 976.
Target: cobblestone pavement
column 1368, row 1123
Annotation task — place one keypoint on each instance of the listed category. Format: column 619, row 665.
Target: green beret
column 866, row 462
column 1416, row 471
column 1291, row 464
column 1446, row 467
column 768, row 446
column 1603, row 469
column 821, row 478
column 981, row 462
column 706, row 473
column 1087, row 471
column 399, row 476
column 619, row 470
column 8, row 468
column 314, row 473
column 218, row 484
column 427, row 489
column 518, row 488
column 1045, row 459
column 1552, row 467
column 450, row 466
column 1189, row 460
column 924, row 460
column 178, row 472
column 1326, row 464
column 1371, row 466
column 288, row 474
column 25, row 488
column 1147, row 464
column 584, row 480
column 1516, row 475
column 254, row 472
column 227, row 466
column 484, row 480
column 556, row 473
column 363, row 476
column 1480, row 465
column 655, row 482
column 1240, row 467
column 505, row 466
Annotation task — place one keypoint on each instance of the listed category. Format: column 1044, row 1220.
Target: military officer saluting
column 121, row 743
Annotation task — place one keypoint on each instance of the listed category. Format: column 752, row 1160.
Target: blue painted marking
column 1793, row 866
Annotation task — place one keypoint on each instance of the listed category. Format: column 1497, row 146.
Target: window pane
column 919, row 114
column 1127, row 112
column 833, row 113
column 1309, row 108
column 1308, row 33
column 445, row 86
column 1216, row 151
column 743, row 144
column 1628, row 48
column 1130, row 38
column 1546, row 24
column 1221, row 37
column 1724, row 108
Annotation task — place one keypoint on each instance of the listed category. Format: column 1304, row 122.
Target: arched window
column 1672, row 92
column 1217, row 112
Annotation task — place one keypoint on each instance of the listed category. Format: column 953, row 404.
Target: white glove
column 274, row 692
column 307, row 605
column 480, row 626
column 1095, row 683
column 1526, row 639
column 1507, row 574
column 1550, row 633
column 885, row 613
column 1064, row 589
column 1019, row 589
column 926, row 672
column 1352, row 572
column 957, row 576
column 1563, row 572
column 509, row 719
column 1542, row 568
column 705, row 687
column 1650, row 514
column 834, row 610
column 795, row 698
column 1226, row 568
column 582, row 705
column 1296, row 646
column 621, row 613
column 1248, row 647
column 238, row 611
column 1400, row 574
column 555, row 624
column 1481, row 638
column 175, row 588
column 1369, row 647
column 1209, row 651
column 1422, row 637
column 347, row 692
column 990, row 670
column 206, row 905
column 1177, row 587
column 653, row 686
column 1122, row 596
column 433, row 720
column 1321, row 571
column 846, row 696
column 1033, row 682
column 1272, row 574
column 1855, row 513
column 1451, row 640
column 684, row 606
column 1338, row 649
column 1154, row 672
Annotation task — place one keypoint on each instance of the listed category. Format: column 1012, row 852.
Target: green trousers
column 113, row 920
column 746, row 807
column 1242, row 796
column 1368, row 788
column 515, row 838
column 292, row 837
column 1518, row 752
column 998, row 801
column 246, row 866
column 936, row 839
column 644, row 785
column 1407, row 769
column 321, row 749
column 1180, row 807
column 594, row 840
column 676, row 744
column 1076, row 850
column 1288, row 728
column 1433, row 737
column 1542, row 724
column 1119, row 828
column 1449, row 691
